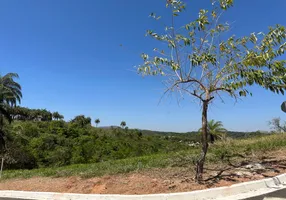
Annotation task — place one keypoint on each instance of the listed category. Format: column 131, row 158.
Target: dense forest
column 40, row 138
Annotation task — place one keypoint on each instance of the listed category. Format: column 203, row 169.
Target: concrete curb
column 237, row 191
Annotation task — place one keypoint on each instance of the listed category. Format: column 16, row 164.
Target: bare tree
column 276, row 125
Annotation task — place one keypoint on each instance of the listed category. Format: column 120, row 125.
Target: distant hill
column 193, row 134
column 232, row 134
column 236, row 134
column 109, row 127
column 150, row 132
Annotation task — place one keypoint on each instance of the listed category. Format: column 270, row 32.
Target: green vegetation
column 97, row 121
column 10, row 95
column 34, row 142
column 35, row 139
column 199, row 60
column 276, row 125
column 215, row 130
column 222, row 151
column 40, row 143
column 37, row 142
column 123, row 124
column 203, row 60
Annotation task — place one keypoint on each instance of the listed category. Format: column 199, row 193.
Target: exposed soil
column 174, row 179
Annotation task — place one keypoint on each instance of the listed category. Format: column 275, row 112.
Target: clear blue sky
column 68, row 55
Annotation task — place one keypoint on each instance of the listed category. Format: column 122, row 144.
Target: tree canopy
column 10, row 95
column 123, row 124
column 201, row 60
column 97, row 121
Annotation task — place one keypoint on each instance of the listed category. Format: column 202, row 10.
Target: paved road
column 281, row 194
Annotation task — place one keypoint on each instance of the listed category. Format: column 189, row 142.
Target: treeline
column 25, row 114
column 194, row 135
column 37, row 142
column 40, row 138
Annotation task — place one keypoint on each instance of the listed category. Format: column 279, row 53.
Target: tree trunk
column 2, row 141
column 1, row 122
column 212, row 138
column 204, row 141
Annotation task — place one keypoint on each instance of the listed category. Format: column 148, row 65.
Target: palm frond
column 10, row 94
column 10, row 91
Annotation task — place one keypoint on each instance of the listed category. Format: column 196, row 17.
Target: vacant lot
column 228, row 163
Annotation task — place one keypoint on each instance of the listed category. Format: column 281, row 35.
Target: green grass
column 102, row 168
column 185, row 158
column 265, row 143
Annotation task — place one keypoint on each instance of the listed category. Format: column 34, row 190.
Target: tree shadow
column 219, row 176
column 227, row 173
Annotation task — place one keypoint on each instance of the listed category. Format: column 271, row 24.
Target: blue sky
column 69, row 58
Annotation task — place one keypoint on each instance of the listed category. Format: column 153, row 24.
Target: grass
column 217, row 152
column 99, row 169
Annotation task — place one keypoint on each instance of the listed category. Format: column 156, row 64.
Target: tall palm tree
column 56, row 115
column 215, row 130
column 10, row 95
column 97, row 121
column 10, row 91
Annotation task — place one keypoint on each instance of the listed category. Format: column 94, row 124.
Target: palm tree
column 61, row 117
column 10, row 95
column 123, row 124
column 57, row 116
column 215, row 130
column 97, row 121
column 10, row 91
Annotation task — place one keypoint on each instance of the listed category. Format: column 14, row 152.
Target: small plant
column 215, row 130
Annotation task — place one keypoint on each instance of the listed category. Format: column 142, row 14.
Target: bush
column 59, row 143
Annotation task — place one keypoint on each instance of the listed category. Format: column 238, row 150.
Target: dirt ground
column 173, row 179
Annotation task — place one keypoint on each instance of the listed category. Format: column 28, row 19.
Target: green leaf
column 242, row 93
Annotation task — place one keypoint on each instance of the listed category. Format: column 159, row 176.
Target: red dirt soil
column 167, row 180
